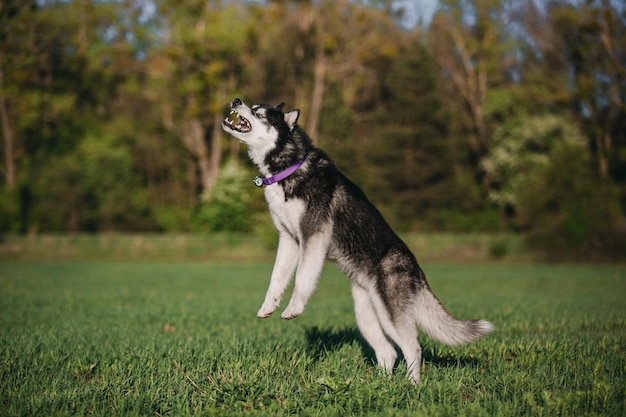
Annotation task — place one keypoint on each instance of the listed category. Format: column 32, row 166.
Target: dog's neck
column 268, row 167
column 261, row 182
column 259, row 158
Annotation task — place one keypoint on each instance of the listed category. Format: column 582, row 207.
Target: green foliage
column 9, row 211
column 567, row 207
column 91, row 189
column 439, row 125
column 540, row 170
column 462, row 220
column 174, row 218
column 229, row 205
column 521, row 148
column 106, row 338
column 409, row 158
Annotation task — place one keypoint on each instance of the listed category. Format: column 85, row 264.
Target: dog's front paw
column 266, row 310
column 291, row 312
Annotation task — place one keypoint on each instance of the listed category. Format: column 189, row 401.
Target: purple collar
column 260, row 182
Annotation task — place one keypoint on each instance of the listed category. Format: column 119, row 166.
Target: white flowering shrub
column 520, row 148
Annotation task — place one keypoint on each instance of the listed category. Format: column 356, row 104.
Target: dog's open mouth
column 237, row 122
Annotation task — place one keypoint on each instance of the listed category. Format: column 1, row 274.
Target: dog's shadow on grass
column 323, row 341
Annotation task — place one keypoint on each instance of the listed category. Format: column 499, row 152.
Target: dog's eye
column 260, row 116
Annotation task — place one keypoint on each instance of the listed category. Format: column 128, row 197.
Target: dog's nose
column 237, row 102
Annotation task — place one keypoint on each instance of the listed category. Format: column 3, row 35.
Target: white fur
column 284, row 268
column 284, row 213
column 260, row 139
column 433, row 318
column 294, row 253
column 380, row 330
column 370, row 327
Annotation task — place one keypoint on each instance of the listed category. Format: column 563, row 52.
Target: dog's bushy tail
column 434, row 319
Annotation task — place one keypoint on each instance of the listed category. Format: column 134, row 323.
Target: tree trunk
column 192, row 134
column 7, row 134
column 466, row 65
column 193, row 138
column 317, row 95
column 603, row 145
column 216, row 151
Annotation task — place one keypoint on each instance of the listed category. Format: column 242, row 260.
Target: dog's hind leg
column 284, row 269
column 404, row 334
column 310, row 262
column 368, row 323
column 401, row 329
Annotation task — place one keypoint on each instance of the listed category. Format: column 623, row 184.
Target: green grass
column 224, row 247
column 120, row 338
column 233, row 247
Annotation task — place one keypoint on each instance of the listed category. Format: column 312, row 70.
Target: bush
column 520, row 148
column 229, row 205
column 540, row 174
column 567, row 209
column 173, row 218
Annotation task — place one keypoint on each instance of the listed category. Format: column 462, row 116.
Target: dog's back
column 375, row 258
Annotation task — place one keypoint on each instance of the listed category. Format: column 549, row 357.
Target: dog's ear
column 291, row 118
column 279, row 106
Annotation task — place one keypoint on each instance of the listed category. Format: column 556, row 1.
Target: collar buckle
column 258, row 181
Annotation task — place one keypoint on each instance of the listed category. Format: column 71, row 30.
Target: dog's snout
column 237, row 102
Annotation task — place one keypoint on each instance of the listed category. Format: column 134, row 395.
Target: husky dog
column 319, row 214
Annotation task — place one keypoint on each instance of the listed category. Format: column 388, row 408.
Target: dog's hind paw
column 291, row 313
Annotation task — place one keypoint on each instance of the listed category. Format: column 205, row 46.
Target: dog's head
column 259, row 127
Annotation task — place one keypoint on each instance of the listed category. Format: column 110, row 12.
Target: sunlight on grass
column 107, row 338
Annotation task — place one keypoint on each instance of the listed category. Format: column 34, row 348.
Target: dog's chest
column 287, row 214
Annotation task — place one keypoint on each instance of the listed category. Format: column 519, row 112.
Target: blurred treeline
column 495, row 115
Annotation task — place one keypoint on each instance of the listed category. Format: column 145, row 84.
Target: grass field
column 129, row 338
column 233, row 247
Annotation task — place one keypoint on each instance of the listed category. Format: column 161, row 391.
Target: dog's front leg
column 311, row 260
column 284, row 268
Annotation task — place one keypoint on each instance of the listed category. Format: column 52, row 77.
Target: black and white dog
column 319, row 214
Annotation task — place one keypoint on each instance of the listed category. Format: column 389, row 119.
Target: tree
column 520, row 148
column 67, row 60
column 18, row 48
column 577, row 53
column 472, row 50
column 194, row 69
column 91, row 189
column 9, row 169
column 420, row 119
column 567, row 210
column 409, row 154
column 593, row 43
column 321, row 43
